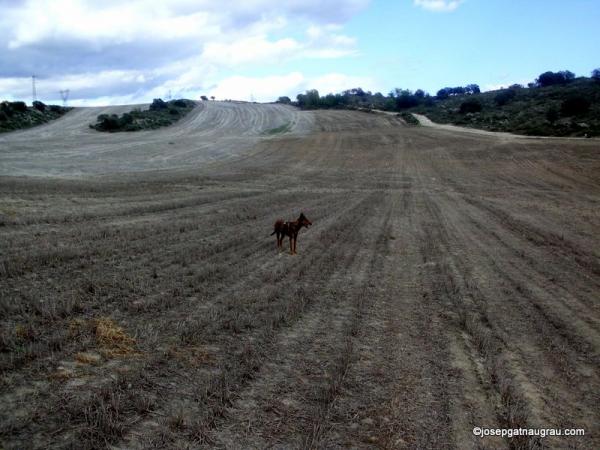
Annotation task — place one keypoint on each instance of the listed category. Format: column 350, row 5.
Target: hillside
column 210, row 131
column 572, row 109
column 17, row 115
column 555, row 104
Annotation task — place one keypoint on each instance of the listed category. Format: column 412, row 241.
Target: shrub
column 39, row 106
column 552, row 115
column 3, row 116
column 19, row 106
column 56, row 108
column 406, row 100
column 108, row 122
column 470, row 106
column 6, row 108
column 409, row 118
column 126, row 119
column 158, row 104
column 574, row 106
column 158, row 115
column 285, row 100
column 596, row 74
column 504, row 96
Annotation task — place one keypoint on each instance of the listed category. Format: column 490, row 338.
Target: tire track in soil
column 399, row 390
column 566, row 377
column 182, row 308
column 240, row 355
column 80, row 279
column 519, row 392
column 295, row 394
column 449, row 288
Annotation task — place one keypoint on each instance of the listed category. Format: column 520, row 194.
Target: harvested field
column 450, row 280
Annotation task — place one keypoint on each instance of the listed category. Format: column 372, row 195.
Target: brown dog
column 290, row 229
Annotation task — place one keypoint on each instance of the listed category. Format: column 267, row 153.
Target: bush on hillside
column 575, row 106
column 108, row 122
column 160, row 114
column 470, row 106
column 552, row 115
column 19, row 106
column 406, row 100
column 504, row 96
column 39, row 106
column 6, row 108
column 16, row 115
column 158, row 104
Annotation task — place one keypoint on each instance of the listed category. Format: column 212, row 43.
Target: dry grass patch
column 62, row 374
column 88, row 358
column 112, row 339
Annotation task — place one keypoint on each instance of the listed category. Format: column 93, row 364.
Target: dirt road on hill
column 449, row 281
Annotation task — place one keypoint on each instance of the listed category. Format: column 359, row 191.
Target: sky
column 115, row 52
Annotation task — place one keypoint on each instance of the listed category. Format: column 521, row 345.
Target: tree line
column 402, row 99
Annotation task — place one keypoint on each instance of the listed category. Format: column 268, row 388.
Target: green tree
column 309, row 100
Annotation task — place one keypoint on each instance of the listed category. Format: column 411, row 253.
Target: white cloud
column 438, row 5
column 321, row 43
column 248, row 50
column 258, row 88
column 496, row 86
column 114, row 51
column 265, row 89
column 337, row 82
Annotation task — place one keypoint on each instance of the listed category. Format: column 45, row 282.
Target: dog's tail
column 274, row 231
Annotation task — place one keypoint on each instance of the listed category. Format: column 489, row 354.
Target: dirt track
column 450, row 280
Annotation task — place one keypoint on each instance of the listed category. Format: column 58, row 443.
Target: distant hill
column 571, row 109
column 17, row 115
column 555, row 104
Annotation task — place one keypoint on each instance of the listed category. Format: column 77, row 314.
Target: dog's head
column 303, row 221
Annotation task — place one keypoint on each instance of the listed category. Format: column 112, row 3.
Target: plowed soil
column 450, row 280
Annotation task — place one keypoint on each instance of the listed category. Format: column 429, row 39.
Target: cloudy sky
column 116, row 52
